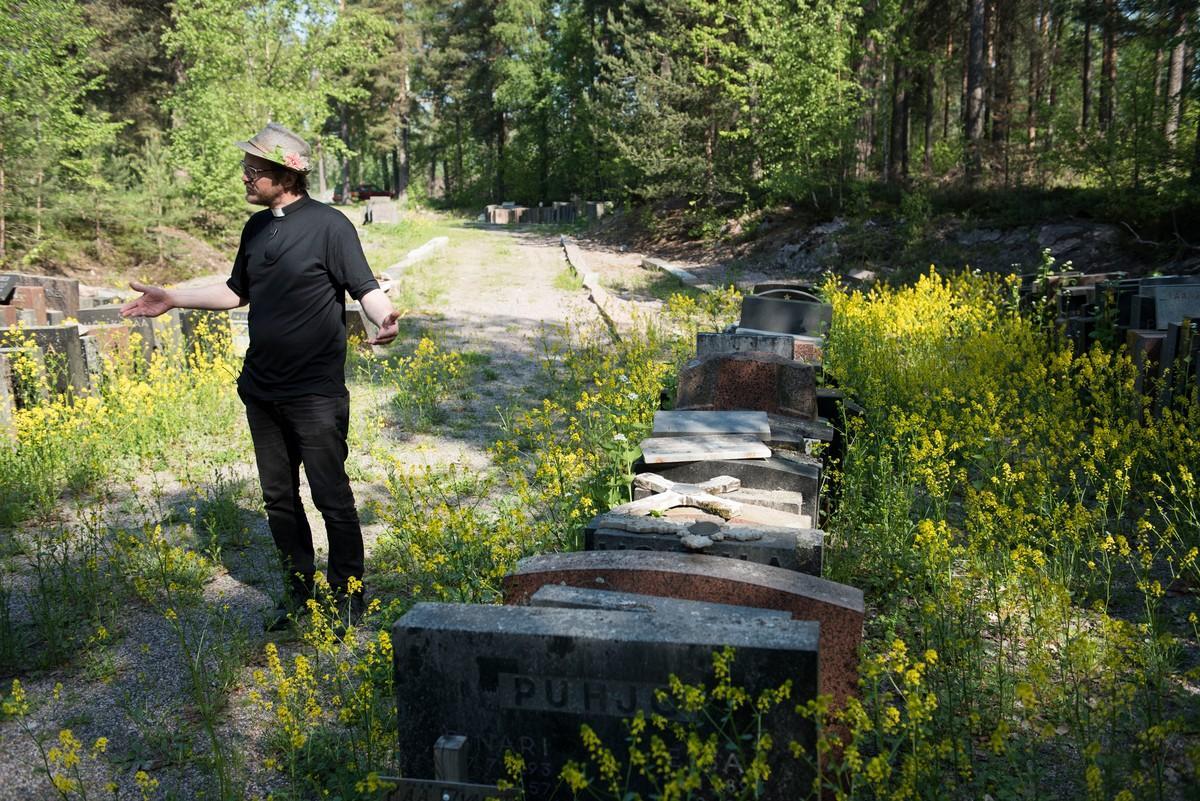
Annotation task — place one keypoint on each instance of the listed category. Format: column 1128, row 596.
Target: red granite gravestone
column 758, row 381
column 838, row 608
column 30, row 298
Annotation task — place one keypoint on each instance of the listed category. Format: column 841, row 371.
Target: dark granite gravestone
column 785, row 316
column 564, row 597
column 837, row 607
column 524, row 679
column 793, row 473
column 63, row 353
column 754, row 381
column 204, row 331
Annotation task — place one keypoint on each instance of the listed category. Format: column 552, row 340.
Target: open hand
column 152, row 303
column 387, row 330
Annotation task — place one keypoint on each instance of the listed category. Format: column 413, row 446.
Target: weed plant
column 1027, row 527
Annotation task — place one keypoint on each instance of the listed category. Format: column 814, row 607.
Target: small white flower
column 618, row 437
column 624, row 379
column 633, row 396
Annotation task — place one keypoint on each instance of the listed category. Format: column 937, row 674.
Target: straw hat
column 279, row 145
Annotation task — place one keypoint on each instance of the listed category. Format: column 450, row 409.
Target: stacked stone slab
column 717, row 549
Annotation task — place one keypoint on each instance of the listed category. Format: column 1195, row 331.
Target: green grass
column 568, row 281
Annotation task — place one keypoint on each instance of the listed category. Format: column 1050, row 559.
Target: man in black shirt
column 296, row 262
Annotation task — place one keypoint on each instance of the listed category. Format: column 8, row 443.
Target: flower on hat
column 293, row 161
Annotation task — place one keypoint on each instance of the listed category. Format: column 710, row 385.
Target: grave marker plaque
column 524, row 679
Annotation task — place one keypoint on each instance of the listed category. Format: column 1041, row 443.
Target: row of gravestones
column 711, row 553
column 43, row 320
column 1156, row 318
column 556, row 213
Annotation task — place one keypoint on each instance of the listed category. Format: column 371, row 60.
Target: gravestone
column 203, row 332
column 564, row 597
column 1176, row 298
column 382, row 210
column 753, row 381
column 62, row 294
column 8, row 283
column 838, row 608
column 785, row 316
column 62, row 350
column 794, row 474
column 708, row 344
column 124, row 343
column 525, row 679
column 687, row 424
column 30, row 298
column 239, row 327
column 805, row 348
column 357, row 322
column 8, row 316
column 25, row 393
column 665, row 450
column 1144, row 348
column 787, row 290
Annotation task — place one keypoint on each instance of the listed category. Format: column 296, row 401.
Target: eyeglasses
column 253, row 172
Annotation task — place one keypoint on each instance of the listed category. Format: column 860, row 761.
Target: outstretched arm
column 156, row 300
column 379, row 310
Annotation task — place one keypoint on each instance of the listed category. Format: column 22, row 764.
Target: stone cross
column 672, row 494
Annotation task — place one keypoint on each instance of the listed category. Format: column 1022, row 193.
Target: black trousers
column 309, row 431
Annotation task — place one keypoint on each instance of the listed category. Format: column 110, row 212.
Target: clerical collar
column 289, row 208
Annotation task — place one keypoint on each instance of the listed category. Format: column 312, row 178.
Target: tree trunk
column 864, row 71
column 321, row 187
column 1108, row 69
column 975, row 90
column 4, row 207
column 1085, row 74
column 929, row 104
column 1175, row 76
column 897, row 171
column 1002, row 78
column 345, row 134
column 501, row 135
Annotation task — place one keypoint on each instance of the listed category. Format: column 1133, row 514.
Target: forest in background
column 117, row 117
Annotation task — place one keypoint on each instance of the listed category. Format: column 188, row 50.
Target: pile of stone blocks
column 1155, row 318
column 718, row 548
column 46, row 319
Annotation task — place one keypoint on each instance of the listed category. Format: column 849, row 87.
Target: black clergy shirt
column 295, row 271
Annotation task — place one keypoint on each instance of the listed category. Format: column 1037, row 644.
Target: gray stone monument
column 524, row 679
